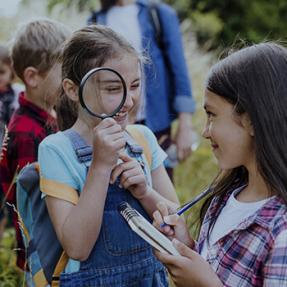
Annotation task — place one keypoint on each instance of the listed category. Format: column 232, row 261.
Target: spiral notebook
column 146, row 230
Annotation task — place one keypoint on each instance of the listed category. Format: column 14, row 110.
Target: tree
column 81, row 5
column 251, row 20
column 219, row 22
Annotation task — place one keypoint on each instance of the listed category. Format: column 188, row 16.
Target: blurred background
column 209, row 27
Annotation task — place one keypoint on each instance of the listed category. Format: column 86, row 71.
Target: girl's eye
column 210, row 115
column 113, row 89
column 135, row 86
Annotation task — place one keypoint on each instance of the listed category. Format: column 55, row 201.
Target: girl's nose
column 129, row 100
column 206, row 131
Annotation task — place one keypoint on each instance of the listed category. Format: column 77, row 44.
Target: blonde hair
column 38, row 44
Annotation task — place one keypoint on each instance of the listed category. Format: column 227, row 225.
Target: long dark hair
column 254, row 80
column 88, row 48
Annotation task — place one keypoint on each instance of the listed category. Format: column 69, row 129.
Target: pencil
column 188, row 205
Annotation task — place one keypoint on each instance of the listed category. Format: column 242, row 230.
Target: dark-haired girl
column 243, row 237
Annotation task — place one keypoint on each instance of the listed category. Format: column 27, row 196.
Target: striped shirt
column 255, row 252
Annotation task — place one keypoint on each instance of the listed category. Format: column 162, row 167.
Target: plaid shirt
column 253, row 254
column 28, row 126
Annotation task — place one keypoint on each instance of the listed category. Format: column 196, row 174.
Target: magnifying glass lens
column 103, row 93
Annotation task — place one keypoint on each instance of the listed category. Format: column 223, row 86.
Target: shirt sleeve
column 158, row 155
column 21, row 150
column 57, row 175
column 275, row 268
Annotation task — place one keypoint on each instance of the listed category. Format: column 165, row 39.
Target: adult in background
column 167, row 90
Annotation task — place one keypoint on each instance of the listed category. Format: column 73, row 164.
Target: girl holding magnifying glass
column 103, row 251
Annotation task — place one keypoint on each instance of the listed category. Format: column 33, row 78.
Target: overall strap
column 81, row 148
column 137, row 141
column 140, row 139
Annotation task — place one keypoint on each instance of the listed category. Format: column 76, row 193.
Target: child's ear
column 246, row 123
column 31, row 77
column 71, row 89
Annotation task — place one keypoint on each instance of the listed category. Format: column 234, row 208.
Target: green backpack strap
column 142, row 141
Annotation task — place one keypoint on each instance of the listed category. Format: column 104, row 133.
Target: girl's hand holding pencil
column 175, row 226
column 169, row 222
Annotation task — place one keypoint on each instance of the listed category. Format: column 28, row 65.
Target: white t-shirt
column 124, row 21
column 233, row 213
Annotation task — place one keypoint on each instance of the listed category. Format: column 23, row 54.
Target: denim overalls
column 120, row 258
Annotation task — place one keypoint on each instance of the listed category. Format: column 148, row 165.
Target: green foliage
column 10, row 275
column 223, row 21
column 80, row 4
column 207, row 27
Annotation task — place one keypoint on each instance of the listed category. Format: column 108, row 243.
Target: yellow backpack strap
column 59, row 268
column 40, row 279
column 141, row 140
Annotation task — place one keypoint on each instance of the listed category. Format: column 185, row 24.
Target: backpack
column 45, row 257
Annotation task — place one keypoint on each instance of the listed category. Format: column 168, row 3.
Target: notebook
column 146, row 230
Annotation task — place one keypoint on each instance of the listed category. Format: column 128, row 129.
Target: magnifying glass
column 102, row 92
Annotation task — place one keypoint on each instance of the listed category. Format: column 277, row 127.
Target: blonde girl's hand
column 131, row 176
column 108, row 141
column 174, row 225
column 189, row 269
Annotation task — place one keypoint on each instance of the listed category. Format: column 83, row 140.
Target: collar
column 266, row 216
column 36, row 112
column 263, row 217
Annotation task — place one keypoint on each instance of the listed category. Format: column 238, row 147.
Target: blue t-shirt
column 63, row 176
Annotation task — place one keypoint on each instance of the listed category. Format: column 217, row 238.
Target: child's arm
column 162, row 191
column 78, row 226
